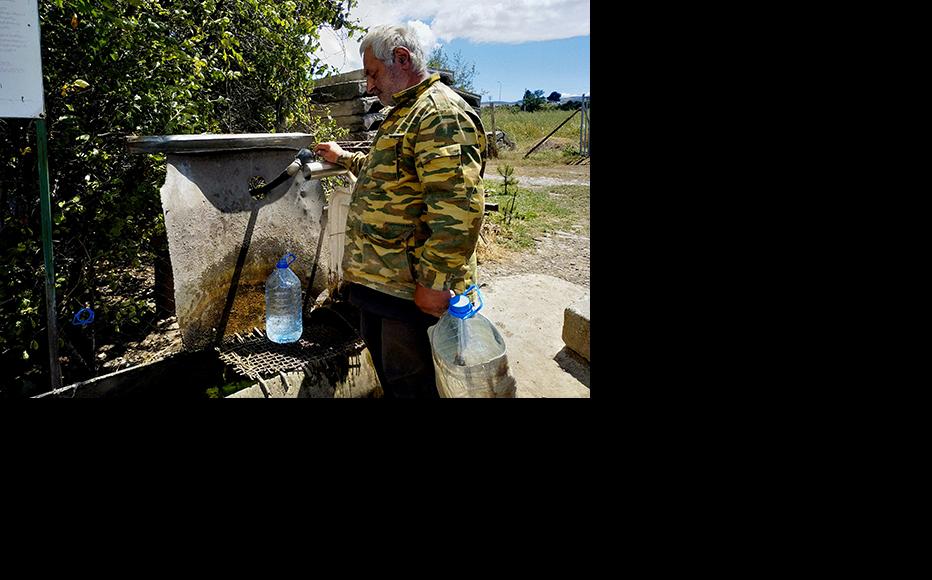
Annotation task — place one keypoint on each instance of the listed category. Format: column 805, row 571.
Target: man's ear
column 402, row 56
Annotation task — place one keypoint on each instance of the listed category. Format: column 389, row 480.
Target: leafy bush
column 134, row 67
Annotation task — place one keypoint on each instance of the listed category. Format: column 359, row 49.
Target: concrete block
column 253, row 392
column 223, row 243
column 576, row 326
column 339, row 92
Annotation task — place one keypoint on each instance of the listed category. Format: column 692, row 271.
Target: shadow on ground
column 574, row 364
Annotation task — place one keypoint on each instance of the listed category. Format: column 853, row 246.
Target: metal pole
column 46, row 210
column 494, row 148
column 551, row 133
column 582, row 123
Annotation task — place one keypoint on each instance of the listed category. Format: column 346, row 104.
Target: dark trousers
column 395, row 332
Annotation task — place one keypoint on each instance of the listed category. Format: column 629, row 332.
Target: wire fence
column 523, row 130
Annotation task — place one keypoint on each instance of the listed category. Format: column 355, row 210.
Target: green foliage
column 508, row 179
column 571, row 105
column 464, row 73
column 543, row 210
column 227, row 389
column 134, row 67
column 533, row 101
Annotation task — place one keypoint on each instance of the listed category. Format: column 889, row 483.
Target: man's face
column 381, row 80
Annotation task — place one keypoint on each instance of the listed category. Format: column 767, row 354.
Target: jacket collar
column 412, row 93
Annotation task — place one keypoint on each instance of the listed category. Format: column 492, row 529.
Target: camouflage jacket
column 418, row 203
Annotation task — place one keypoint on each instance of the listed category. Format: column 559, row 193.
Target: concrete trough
column 223, row 243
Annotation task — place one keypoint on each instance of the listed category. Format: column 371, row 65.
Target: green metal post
column 46, row 207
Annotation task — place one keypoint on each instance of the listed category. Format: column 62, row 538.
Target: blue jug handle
column 474, row 309
column 286, row 260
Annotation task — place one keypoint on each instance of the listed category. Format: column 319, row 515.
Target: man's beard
column 396, row 84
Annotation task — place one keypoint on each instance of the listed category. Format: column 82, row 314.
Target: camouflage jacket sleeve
column 352, row 161
column 449, row 166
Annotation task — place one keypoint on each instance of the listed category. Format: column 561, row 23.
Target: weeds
column 507, row 171
column 543, row 210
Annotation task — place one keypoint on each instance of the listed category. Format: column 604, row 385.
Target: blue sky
column 524, row 44
column 550, row 65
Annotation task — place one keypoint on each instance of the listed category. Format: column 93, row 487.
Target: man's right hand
column 330, row 151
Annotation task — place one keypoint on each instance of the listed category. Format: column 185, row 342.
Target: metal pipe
column 320, row 169
column 46, row 211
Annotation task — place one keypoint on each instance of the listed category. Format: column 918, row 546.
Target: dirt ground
column 562, row 254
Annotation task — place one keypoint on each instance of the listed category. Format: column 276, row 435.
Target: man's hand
column 433, row 302
column 329, row 151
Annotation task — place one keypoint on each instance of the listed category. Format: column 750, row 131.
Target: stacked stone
column 344, row 95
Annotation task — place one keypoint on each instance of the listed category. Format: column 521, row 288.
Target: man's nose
column 370, row 85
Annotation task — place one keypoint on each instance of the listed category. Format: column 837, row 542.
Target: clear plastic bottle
column 470, row 358
column 283, row 322
column 463, row 337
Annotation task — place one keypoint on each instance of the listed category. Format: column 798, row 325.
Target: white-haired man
column 416, row 210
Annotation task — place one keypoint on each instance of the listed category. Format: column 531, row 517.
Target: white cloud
column 514, row 21
column 425, row 35
column 336, row 50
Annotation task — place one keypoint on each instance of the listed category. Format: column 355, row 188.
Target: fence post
column 582, row 121
column 494, row 147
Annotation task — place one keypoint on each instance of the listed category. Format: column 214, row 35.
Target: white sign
column 20, row 60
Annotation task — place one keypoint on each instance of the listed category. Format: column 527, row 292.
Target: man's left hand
column 433, row 302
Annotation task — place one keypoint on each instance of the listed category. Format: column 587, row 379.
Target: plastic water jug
column 283, row 322
column 469, row 354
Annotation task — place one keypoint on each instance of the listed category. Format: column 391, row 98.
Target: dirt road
column 563, row 254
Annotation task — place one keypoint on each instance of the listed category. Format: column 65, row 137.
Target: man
column 416, row 211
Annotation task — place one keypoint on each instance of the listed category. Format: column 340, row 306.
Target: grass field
column 526, row 129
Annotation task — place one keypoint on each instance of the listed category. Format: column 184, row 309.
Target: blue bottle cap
column 460, row 306
column 284, row 262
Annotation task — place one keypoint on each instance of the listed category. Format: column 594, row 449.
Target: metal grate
column 353, row 146
column 255, row 357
